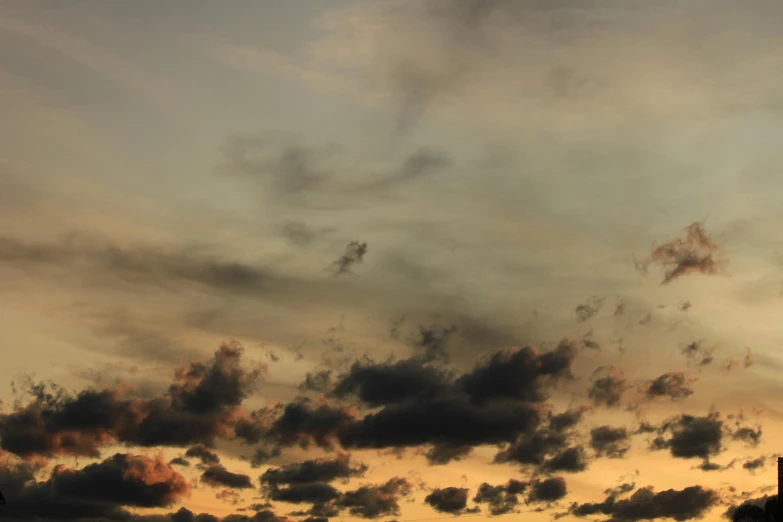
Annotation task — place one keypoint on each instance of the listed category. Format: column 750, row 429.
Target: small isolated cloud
column 697, row 354
column 697, row 253
column 448, row 500
column 353, row 255
column 589, row 309
column 673, row 385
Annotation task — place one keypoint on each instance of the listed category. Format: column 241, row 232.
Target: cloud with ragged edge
column 202, row 405
column 701, row 437
column 697, row 253
column 441, row 412
column 647, row 504
column 354, row 254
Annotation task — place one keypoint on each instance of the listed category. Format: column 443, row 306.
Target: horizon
column 352, row 260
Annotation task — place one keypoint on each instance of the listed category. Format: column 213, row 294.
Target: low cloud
column 448, row 500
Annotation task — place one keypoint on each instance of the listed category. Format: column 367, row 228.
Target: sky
column 402, row 260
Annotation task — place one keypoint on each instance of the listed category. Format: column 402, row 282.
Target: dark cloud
column 353, row 255
column 549, row 448
column 317, row 470
column 201, row 405
column 532, row 448
column 218, row 476
column 303, row 423
column 713, row 466
column 748, row 513
column 754, row 464
column 752, row 507
column 672, row 384
column 97, row 491
column 444, row 453
column 262, row 455
column 522, row 374
column 566, row 420
column 607, row 388
column 748, row 435
column 303, row 493
column 380, row 384
column 203, row 454
column 448, row 500
column 611, row 442
column 691, row 437
column 645, row 504
column 185, row 515
column 570, row 460
column 493, row 403
column 547, row 490
column 501, row 499
column 179, row 461
column 318, row 381
column 696, row 253
column 375, row 501
column 450, row 420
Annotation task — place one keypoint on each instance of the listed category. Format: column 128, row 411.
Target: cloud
column 202, row 404
column 203, row 454
column 354, row 254
column 448, row 500
column 611, row 442
column 692, row 436
column 495, row 402
column 547, row 490
column 501, row 499
column 608, row 388
column 697, row 353
column 304, row 493
column 100, row 490
column 521, row 374
column 697, row 253
column 673, row 385
column 179, row 461
column 754, row 464
column 443, row 453
column 645, row 504
column 377, row 500
column 316, row 470
column 381, row 384
column 588, row 310
column 218, row 476
column 569, row 460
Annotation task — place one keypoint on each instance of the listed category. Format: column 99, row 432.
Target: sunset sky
column 402, row 260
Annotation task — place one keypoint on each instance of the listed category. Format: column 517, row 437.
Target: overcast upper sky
column 394, row 260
